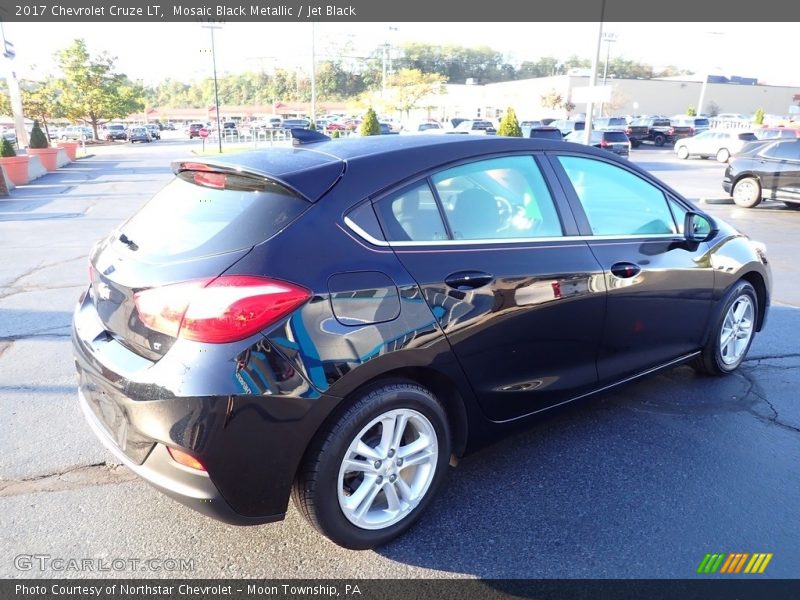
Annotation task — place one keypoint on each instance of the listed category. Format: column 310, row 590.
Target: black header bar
column 132, row 11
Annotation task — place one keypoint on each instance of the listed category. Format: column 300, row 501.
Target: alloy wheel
column 387, row 469
column 736, row 331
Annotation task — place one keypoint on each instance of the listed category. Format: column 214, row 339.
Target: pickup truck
column 658, row 131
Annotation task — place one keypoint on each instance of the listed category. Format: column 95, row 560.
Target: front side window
column 616, row 201
column 500, row 198
column 783, row 151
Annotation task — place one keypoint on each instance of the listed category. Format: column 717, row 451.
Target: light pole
column 313, row 74
column 609, row 38
column 13, row 93
column 706, row 73
column 216, row 89
column 593, row 84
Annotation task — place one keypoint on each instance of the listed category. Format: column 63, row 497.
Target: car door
column 519, row 297
column 659, row 285
column 781, row 170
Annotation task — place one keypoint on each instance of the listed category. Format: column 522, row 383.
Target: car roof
column 312, row 169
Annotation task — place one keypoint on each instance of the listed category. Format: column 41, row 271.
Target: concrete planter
column 71, row 148
column 48, row 157
column 16, row 168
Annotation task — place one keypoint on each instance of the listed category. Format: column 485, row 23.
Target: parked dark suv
column 765, row 170
column 340, row 319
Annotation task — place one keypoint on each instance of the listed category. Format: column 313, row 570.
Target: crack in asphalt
column 751, row 390
column 34, row 270
column 35, row 336
column 78, row 476
column 772, row 356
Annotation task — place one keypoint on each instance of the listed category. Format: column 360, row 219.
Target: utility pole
column 216, row 88
column 706, row 74
column 13, row 92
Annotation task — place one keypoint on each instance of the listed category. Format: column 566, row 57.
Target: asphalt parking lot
column 638, row 483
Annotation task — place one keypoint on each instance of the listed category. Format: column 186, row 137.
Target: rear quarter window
column 192, row 216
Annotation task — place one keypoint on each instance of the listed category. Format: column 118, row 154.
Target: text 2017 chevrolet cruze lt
column 336, row 320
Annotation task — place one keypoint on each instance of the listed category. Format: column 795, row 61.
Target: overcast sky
column 153, row 51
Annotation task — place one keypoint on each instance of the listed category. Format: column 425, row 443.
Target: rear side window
column 412, row 215
column 616, row 201
column 747, row 137
column 203, row 213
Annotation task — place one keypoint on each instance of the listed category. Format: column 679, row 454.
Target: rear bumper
column 241, row 410
column 190, row 487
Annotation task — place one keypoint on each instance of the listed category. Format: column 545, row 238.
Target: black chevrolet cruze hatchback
column 338, row 321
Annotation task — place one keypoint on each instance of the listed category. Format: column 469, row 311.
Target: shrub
column 370, row 125
column 509, row 125
column 312, row 126
column 38, row 138
column 335, row 134
column 7, row 149
column 758, row 118
column 691, row 111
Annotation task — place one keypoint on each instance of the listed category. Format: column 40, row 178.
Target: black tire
column 635, row 144
column 747, row 192
column 659, row 140
column 317, row 487
column 711, row 361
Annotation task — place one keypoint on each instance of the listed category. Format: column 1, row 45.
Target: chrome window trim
column 528, row 240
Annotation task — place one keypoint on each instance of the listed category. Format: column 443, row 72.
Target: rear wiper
column 128, row 242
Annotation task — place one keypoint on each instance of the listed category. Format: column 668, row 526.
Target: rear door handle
column 625, row 270
column 468, row 280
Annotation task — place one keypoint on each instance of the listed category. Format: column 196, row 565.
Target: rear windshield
column 186, row 220
column 617, row 121
column 615, row 136
column 701, row 122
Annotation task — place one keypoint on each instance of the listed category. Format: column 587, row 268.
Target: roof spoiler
column 300, row 137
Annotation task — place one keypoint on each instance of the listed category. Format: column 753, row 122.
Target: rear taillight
column 691, row 130
column 628, row 131
column 225, row 309
column 671, row 131
column 604, row 144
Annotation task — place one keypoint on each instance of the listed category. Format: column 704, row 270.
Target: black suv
column 339, row 320
column 765, row 170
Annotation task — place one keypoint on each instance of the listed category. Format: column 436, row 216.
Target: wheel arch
column 759, row 285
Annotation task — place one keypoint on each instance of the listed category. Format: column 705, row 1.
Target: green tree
column 509, row 125
column 370, row 125
column 91, row 90
column 7, row 149
column 691, row 111
column 410, row 86
column 38, row 138
column 758, row 118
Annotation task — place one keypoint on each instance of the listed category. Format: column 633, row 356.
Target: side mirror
column 699, row 228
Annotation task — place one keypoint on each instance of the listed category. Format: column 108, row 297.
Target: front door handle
column 625, row 270
column 468, row 280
